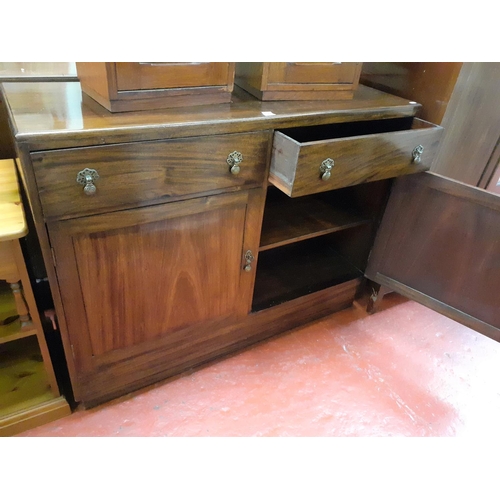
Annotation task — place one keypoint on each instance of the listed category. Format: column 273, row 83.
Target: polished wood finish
column 146, row 76
column 472, row 125
column 63, row 121
column 441, row 239
column 147, row 173
column 274, row 81
column 197, row 346
column 128, row 86
column 149, row 273
column 296, row 160
column 122, row 269
column 107, row 234
column 429, row 83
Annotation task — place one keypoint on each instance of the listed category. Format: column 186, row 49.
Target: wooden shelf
column 289, row 272
column 11, row 331
column 289, row 220
column 23, row 379
column 8, row 333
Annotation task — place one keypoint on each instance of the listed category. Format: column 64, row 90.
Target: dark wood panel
column 149, row 272
column 137, row 75
column 131, row 174
column 275, row 81
column 429, row 83
column 310, row 73
column 471, row 124
column 288, row 220
column 217, row 339
column 442, row 239
column 81, row 125
column 148, row 280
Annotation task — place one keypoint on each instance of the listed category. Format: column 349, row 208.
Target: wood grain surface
column 295, row 166
column 442, row 239
column 61, row 120
column 147, row 173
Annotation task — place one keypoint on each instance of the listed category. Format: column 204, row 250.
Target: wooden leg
column 33, row 312
column 21, row 306
column 378, row 292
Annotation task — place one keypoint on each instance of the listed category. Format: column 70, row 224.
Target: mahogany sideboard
column 173, row 237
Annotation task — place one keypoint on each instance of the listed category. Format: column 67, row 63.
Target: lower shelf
column 23, row 380
column 292, row 271
column 26, row 399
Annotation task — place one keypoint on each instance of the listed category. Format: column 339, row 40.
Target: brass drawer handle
column 248, row 261
column 87, row 177
column 326, row 169
column 417, row 154
column 234, row 160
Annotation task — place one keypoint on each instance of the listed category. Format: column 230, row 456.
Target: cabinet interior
column 315, row 242
column 348, row 129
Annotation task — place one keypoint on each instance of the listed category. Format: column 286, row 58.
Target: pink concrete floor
column 404, row 371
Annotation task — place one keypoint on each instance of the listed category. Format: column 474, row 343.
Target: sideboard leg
column 378, row 292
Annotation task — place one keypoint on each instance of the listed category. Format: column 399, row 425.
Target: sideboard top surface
column 52, row 115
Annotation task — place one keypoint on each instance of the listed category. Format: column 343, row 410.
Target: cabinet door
column 138, row 283
column 439, row 244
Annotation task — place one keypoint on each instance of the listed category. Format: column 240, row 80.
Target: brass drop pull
column 234, row 160
column 326, row 169
column 249, row 258
column 87, row 177
column 417, row 154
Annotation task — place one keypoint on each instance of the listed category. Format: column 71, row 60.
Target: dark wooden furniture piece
column 291, row 81
column 166, row 247
column 133, row 86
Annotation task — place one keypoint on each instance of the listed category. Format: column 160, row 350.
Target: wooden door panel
column 439, row 243
column 128, row 278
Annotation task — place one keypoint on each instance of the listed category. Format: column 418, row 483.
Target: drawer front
column 147, row 173
column 309, row 73
column 167, row 75
column 296, row 168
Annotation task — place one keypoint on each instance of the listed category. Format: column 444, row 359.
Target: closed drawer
column 315, row 159
column 147, row 173
column 283, row 81
column 311, row 73
column 167, row 75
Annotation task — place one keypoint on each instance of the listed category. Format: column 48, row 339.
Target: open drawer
column 309, row 160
